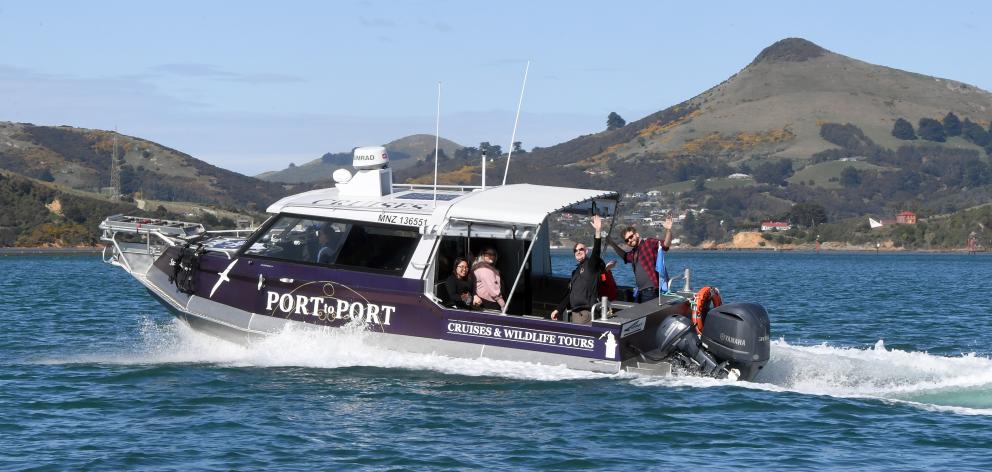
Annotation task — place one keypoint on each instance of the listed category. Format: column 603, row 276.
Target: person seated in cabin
column 461, row 287
column 583, row 288
column 488, row 285
column 327, row 244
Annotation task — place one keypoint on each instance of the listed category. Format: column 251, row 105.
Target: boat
column 373, row 253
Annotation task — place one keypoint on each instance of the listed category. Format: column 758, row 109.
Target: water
column 879, row 362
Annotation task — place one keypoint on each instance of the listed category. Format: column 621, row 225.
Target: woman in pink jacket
column 487, row 280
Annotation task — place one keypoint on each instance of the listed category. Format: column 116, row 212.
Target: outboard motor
column 677, row 342
column 739, row 334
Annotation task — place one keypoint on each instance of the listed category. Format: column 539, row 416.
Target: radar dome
column 370, row 157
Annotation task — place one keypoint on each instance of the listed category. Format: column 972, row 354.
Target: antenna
column 483, row 169
column 513, row 136
column 437, row 140
column 115, row 173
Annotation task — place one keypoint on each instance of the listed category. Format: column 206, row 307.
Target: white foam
column 961, row 384
column 176, row 342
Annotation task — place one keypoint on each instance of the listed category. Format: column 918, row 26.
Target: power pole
column 115, row 173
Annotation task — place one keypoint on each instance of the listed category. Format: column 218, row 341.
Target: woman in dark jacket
column 461, row 286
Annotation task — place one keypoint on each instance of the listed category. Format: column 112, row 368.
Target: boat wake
column 960, row 384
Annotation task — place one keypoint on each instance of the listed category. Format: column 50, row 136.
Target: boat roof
column 524, row 204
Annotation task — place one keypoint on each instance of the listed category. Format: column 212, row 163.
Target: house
column 738, row 176
column 775, row 226
column 906, row 218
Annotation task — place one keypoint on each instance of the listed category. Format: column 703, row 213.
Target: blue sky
column 252, row 86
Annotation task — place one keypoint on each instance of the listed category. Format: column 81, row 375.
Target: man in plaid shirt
column 642, row 256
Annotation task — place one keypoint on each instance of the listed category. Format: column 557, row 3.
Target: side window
column 336, row 243
column 378, row 247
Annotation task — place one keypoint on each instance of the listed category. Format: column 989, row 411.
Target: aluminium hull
column 242, row 307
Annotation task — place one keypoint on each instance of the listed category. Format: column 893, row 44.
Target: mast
column 437, row 140
column 513, row 136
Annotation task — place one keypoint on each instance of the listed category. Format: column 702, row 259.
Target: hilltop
column 403, row 153
column 799, row 124
column 772, row 109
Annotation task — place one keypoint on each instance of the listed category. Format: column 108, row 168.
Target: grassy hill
column 796, row 118
column 43, row 214
column 403, row 153
column 80, row 158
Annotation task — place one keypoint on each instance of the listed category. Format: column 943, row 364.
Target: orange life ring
column 704, row 297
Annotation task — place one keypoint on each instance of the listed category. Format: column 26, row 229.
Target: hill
column 80, row 158
column 39, row 214
column 775, row 108
column 403, row 153
column 810, row 126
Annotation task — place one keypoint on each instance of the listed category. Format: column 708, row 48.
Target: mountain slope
column 403, row 153
column 774, row 108
column 81, row 158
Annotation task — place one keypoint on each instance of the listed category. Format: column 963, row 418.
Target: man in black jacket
column 583, row 289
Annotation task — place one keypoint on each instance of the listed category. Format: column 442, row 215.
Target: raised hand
column 667, row 224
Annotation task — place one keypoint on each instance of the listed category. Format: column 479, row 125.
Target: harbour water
column 879, row 361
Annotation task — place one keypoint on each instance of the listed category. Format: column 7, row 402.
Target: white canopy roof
column 521, row 203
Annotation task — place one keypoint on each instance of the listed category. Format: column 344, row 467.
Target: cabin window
column 336, row 243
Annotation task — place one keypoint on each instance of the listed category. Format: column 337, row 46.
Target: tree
column 850, row 177
column 807, row 214
column 952, row 125
column 773, row 172
column 699, row 184
column 903, row 130
column 614, row 121
column 46, row 175
column 932, row 130
column 975, row 134
column 518, row 147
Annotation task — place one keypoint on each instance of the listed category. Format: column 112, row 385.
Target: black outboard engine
column 735, row 341
column 738, row 333
column 678, row 343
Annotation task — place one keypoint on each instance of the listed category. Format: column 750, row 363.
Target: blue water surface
column 880, row 362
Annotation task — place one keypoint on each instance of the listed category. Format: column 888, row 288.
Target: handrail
column 235, row 231
column 439, row 187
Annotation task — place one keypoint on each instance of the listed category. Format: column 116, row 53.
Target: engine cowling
column 739, row 333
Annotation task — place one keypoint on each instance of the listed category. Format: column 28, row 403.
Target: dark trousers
column 489, row 305
column 646, row 294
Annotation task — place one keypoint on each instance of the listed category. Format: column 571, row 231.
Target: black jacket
column 583, row 289
column 456, row 287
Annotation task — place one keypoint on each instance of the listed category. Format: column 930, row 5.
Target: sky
column 252, row 86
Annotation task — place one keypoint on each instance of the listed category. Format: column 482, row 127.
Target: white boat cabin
column 366, row 223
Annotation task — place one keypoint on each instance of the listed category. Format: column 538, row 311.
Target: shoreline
column 68, row 251
column 836, row 250
column 50, row 251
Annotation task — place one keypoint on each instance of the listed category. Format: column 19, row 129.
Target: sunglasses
column 582, row 249
column 630, row 238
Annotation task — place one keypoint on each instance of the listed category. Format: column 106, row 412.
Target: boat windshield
column 343, row 243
